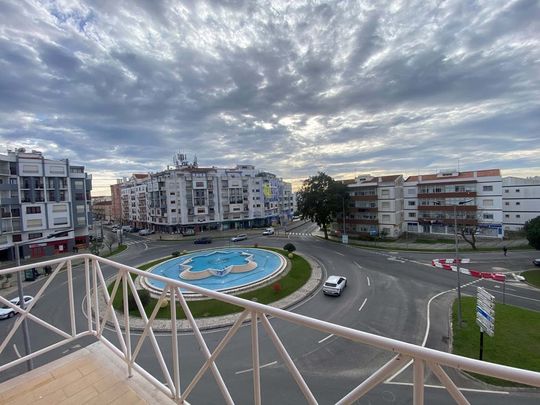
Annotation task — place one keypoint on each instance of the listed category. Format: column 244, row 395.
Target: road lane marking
column 362, row 306
column 337, row 253
column 360, row 267
column 326, row 338
column 251, row 369
column 368, row 282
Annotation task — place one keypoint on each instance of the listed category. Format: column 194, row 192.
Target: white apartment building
column 521, row 201
column 376, row 206
column 42, row 199
column 189, row 198
column 475, row 197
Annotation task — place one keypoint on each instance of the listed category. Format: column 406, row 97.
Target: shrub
column 276, row 287
column 176, row 253
column 289, row 247
column 144, row 296
column 255, row 245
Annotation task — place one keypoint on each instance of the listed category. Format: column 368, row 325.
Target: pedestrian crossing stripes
column 299, row 233
column 133, row 242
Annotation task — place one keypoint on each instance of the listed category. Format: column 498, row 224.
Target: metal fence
column 97, row 295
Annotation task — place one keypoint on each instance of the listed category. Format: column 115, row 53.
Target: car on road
column 7, row 312
column 536, row 262
column 145, row 232
column 268, row 231
column 115, row 228
column 203, row 240
column 334, row 285
column 238, row 238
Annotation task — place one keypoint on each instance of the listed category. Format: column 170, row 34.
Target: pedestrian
column 505, row 250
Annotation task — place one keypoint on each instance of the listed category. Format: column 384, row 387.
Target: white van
column 127, row 228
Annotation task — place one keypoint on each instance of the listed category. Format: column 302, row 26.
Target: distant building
column 474, row 197
column 42, row 199
column 521, row 201
column 101, row 208
column 375, row 206
column 188, row 198
column 116, row 202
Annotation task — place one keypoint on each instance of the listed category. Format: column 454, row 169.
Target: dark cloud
column 293, row 88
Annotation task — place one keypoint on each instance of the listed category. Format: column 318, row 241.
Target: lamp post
column 344, row 238
column 22, row 304
column 457, row 258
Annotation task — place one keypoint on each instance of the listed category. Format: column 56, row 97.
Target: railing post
column 256, row 362
column 125, row 275
column 174, row 336
column 418, row 394
column 96, row 298
column 71, row 300
column 88, row 294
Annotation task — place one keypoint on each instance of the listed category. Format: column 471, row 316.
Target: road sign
column 485, row 311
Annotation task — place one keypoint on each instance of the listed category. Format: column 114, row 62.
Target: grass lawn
column 516, row 341
column 119, row 249
column 532, row 277
column 297, row 276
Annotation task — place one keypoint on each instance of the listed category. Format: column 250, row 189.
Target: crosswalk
column 134, row 242
column 299, row 234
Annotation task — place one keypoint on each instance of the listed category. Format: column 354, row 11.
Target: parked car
column 268, row 231
column 238, row 238
column 7, row 312
column 536, row 262
column 334, row 285
column 145, row 232
column 203, row 240
column 115, row 228
column 127, row 228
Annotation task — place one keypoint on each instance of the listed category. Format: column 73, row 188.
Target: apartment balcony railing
column 101, row 315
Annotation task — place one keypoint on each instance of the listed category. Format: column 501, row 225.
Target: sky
column 292, row 87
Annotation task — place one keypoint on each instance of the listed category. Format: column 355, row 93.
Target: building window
column 487, row 188
column 34, row 223
column 385, row 205
column 507, row 216
column 33, row 210
column 412, row 214
column 35, row 235
column 78, row 184
column 517, row 190
column 518, row 203
column 488, row 203
column 411, row 203
column 506, row 191
column 488, row 216
column 60, row 221
column 386, row 218
column 30, row 169
column 385, row 192
column 59, row 208
column 506, row 203
column 518, row 216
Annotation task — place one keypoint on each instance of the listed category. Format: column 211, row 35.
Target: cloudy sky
column 293, row 87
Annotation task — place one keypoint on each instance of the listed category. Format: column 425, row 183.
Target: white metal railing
column 97, row 293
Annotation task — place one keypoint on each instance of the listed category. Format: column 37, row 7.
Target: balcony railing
column 100, row 314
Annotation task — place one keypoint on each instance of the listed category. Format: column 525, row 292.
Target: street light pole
column 22, row 304
column 457, row 266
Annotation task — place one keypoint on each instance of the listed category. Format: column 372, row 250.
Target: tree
column 321, row 199
column 109, row 241
column 95, row 246
column 468, row 233
column 532, row 232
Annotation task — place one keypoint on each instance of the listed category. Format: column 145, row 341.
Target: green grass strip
column 516, row 341
column 532, row 277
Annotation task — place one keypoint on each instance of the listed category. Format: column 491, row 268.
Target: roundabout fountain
column 228, row 270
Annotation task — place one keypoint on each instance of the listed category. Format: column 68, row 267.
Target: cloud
column 291, row 87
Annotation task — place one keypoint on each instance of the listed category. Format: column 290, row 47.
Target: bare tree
column 110, row 240
column 468, row 233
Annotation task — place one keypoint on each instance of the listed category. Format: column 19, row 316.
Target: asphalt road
column 387, row 294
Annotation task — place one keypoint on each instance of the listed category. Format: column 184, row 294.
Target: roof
column 455, row 176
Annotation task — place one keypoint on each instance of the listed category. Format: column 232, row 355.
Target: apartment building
column 101, row 207
column 188, row 198
column 116, row 202
column 432, row 201
column 43, row 200
column 376, row 206
column 521, row 201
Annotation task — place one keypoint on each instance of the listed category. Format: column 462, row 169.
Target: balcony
column 364, row 197
column 111, row 369
column 455, row 194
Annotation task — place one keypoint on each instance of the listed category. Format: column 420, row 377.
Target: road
column 387, row 294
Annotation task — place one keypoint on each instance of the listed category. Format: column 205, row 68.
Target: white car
column 334, row 285
column 7, row 312
column 145, row 232
column 268, row 231
column 238, row 238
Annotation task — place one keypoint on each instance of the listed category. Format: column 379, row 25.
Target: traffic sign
column 485, row 311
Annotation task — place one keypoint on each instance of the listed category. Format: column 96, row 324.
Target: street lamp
column 457, row 258
column 22, row 304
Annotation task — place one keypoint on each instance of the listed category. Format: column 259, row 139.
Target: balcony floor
column 92, row 375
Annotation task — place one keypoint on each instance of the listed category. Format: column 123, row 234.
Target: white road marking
column 360, row 267
column 337, row 253
column 251, row 369
column 461, row 389
column 16, row 351
column 326, row 338
column 368, row 282
column 362, row 306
